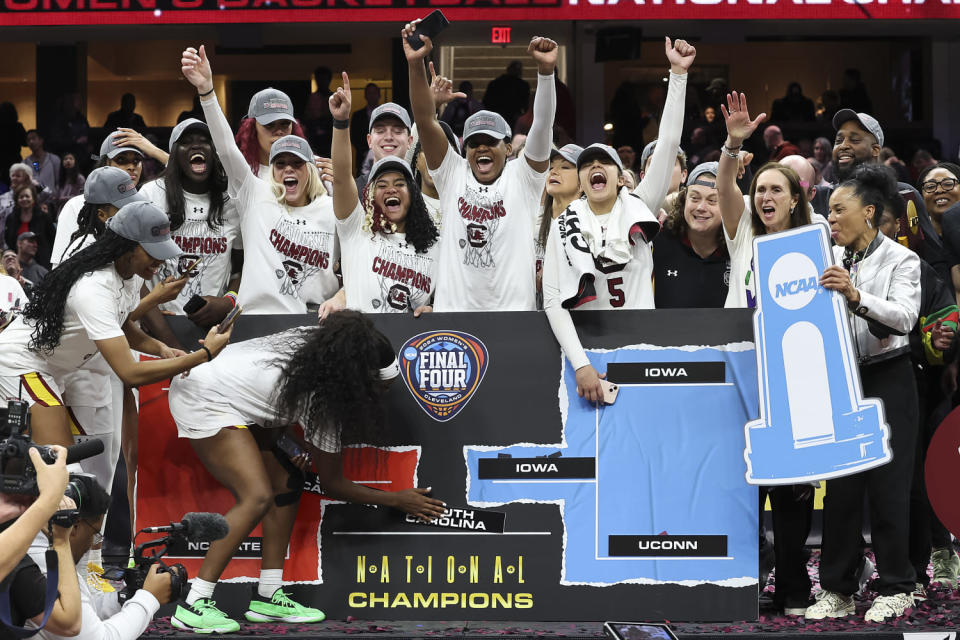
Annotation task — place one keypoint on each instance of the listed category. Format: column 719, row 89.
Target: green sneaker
column 203, row 617
column 946, row 567
column 280, row 608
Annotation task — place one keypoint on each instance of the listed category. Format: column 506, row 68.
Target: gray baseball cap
column 486, row 123
column 601, row 150
column 868, row 122
column 648, row 151
column 183, row 127
column 390, row 163
column 701, row 169
column 292, row 144
column 147, row 225
column 109, row 149
column 390, row 110
column 111, row 185
column 270, row 105
column 569, row 152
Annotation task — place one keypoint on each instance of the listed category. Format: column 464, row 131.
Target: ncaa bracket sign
column 556, row 510
column 814, row 422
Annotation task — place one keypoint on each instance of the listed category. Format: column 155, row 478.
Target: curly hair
column 676, row 222
column 875, row 184
column 420, row 230
column 49, row 300
column 330, row 377
column 173, row 178
column 246, row 139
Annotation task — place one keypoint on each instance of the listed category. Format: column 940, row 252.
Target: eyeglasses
column 97, row 536
column 946, row 184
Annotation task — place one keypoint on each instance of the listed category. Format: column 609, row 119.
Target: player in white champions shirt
column 203, row 222
column 234, row 411
column 82, row 308
column 287, row 223
column 486, row 258
column 599, row 252
column 389, row 241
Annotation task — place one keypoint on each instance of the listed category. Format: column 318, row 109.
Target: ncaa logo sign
column 793, row 281
column 443, row 369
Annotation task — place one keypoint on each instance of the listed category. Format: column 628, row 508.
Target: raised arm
column 344, row 188
column 124, row 137
column 540, row 138
column 656, row 180
column 196, row 69
column 432, row 139
column 739, row 128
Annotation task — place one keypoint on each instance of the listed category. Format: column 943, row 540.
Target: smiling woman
column 286, row 219
column 389, row 238
column 203, row 221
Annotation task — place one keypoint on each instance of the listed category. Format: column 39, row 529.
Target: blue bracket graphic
column 814, row 422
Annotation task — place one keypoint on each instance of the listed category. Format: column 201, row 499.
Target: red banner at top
column 57, row 12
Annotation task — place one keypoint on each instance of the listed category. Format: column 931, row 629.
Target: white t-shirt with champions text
column 289, row 254
column 238, row 387
column 96, row 308
column 197, row 240
column 486, row 258
column 382, row 273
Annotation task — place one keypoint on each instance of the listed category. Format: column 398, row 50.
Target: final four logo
column 443, row 369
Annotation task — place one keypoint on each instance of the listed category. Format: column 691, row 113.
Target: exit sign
column 500, row 35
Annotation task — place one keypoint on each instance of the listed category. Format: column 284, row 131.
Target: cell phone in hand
column 194, row 304
column 289, row 446
column 610, row 391
column 228, row 321
column 430, row 27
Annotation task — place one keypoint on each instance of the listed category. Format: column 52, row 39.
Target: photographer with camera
column 23, row 582
column 103, row 618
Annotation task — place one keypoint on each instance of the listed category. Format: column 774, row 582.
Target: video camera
column 195, row 527
column 17, row 473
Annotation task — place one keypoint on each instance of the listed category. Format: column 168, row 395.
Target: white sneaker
column 887, row 607
column 830, row 604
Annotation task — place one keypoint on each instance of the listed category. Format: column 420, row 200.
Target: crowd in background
column 463, row 205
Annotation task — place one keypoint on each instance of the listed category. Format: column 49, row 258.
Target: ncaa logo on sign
column 793, row 281
column 443, row 369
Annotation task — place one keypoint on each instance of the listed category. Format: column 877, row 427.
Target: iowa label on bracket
column 443, row 369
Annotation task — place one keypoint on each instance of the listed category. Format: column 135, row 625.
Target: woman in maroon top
column 28, row 216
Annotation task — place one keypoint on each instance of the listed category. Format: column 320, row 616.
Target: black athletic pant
column 792, row 519
column 926, row 530
column 887, row 488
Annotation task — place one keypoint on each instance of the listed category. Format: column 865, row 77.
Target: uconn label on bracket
column 667, row 545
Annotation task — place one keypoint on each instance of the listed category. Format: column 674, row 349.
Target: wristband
column 202, row 95
column 232, row 295
column 341, row 124
column 209, row 355
column 731, row 153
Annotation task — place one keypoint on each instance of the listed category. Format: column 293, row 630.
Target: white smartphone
column 610, row 391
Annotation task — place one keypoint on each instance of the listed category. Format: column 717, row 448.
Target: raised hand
column 442, row 88
column 680, row 54
column 735, row 113
column 408, row 51
column 196, row 68
column 340, row 100
column 544, row 52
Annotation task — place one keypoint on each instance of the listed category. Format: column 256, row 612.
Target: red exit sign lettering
column 500, row 35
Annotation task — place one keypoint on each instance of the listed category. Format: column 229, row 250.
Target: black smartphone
column 289, row 446
column 430, row 27
column 193, row 304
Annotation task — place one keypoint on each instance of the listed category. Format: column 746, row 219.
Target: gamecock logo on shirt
column 443, row 369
